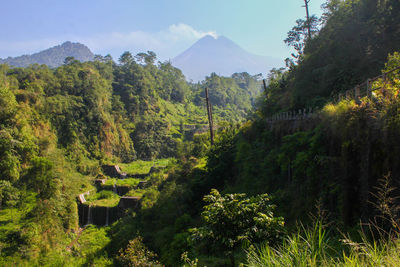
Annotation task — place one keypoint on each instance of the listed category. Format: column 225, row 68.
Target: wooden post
column 368, row 89
column 357, row 92
column 383, row 89
column 210, row 119
column 357, row 95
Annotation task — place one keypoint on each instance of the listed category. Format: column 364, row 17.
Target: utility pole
column 210, row 118
column 265, row 86
column 308, row 18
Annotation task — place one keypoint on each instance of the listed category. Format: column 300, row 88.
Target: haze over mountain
column 53, row 57
column 222, row 56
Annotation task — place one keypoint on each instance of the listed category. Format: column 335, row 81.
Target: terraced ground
column 118, row 193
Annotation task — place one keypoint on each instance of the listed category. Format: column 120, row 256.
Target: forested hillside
column 52, row 57
column 352, row 45
column 329, row 172
column 58, row 127
column 313, row 188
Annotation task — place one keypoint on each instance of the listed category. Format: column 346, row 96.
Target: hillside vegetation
column 267, row 193
column 58, row 126
column 352, row 45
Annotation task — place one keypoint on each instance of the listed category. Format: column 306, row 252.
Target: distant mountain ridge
column 53, row 57
column 222, row 56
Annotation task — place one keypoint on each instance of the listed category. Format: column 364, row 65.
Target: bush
column 137, row 254
column 232, row 220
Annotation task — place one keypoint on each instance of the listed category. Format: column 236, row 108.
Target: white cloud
column 181, row 31
column 166, row 43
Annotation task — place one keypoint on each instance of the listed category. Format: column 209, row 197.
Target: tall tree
column 300, row 34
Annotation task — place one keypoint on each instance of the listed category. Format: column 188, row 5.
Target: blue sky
column 165, row 26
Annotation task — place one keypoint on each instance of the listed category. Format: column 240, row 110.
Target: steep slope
column 222, row 56
column 352, row 46
column 53, row 57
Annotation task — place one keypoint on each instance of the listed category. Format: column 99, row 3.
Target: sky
column 167, row 27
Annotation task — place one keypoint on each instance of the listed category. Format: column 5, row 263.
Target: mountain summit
column 53, row 57
column 222, row 56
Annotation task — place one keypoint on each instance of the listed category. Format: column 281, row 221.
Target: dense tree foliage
column 57, row 126
column 52, row 57
column 352, row 46
column 335, row 160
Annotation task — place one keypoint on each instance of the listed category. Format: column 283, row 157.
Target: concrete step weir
column 103, row 215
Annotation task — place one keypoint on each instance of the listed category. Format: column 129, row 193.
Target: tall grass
column 312, row 247
column 307, row 247
column 379, row 246
column 371, row 253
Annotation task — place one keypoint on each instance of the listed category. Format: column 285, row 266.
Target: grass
column 136, row 193
column 313, row 247
column 104, row 198
column 89, row 250
column 133, row 182
column 105, row 202
column 307, row 247
column 143, row 167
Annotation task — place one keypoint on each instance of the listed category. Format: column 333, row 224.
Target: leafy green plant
column 233, row 220
column 137, row 254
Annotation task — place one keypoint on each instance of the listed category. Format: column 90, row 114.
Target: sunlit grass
column 143, row 167
column 103, row 198
column 136, row 193
column 133, row 182
column 338, row 109
column 307, row 247
column 313, row 247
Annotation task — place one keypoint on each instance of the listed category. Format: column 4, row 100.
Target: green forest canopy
column 57, row 127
